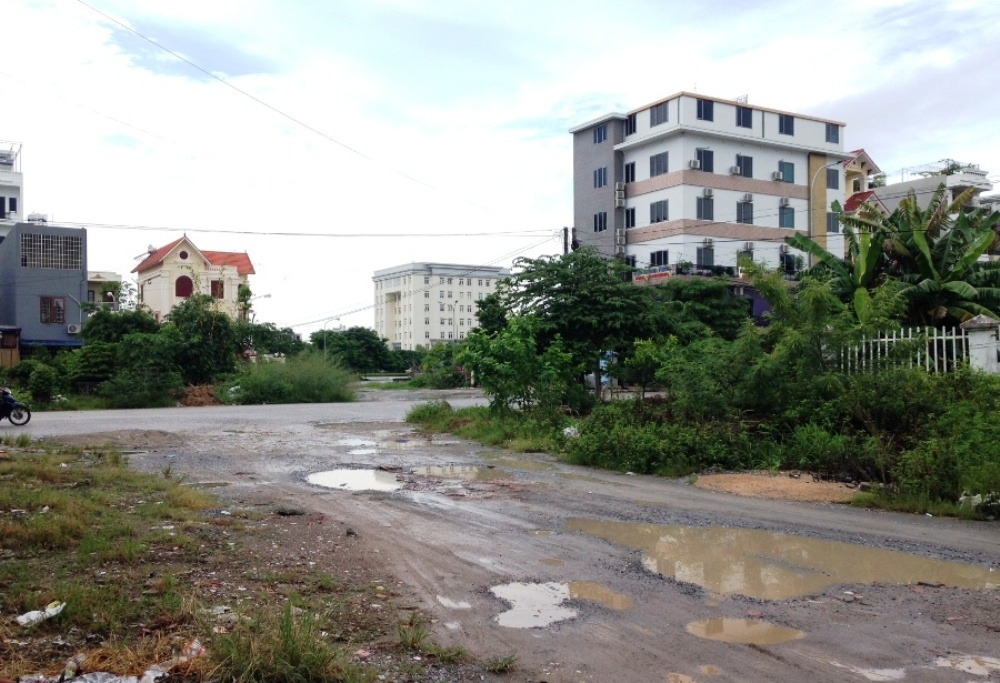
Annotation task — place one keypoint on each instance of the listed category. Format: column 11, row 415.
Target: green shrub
column 44, row 383
column 306, row 378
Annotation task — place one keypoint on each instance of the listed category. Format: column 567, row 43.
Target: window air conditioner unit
column 619, row 187
column 695, row 164
column 73, row 328
column 707, row 192
column 784, row 248
column 748, row 246
column 735, row 170
column 707, row 241
column 785, row 201
column 777, row 175
column 748, row 197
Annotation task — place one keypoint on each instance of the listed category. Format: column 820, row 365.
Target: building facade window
column 630, row 124
column 658, row 114
column 659, row 258
column 832, row 179
column 705, row 257
column 600, row 177
column 600, row 134
column 832, row 222
column 705, row 207
column 706, row 160
column 427, row 294
column 706, row 110
column 786, row 217
column 51, row 310
column 218, row 289
column 601, row 221
column 786, row 124
column 630, row 217
column 787, row 169
column 427, row 280
column 745, row 165
column 54, row 252
column 744, row 212
column 744, row 255
column 183, row 287
column 744, row 117
column 659, row 211
column 658, row 164
column 832, row 133
column 630, row 172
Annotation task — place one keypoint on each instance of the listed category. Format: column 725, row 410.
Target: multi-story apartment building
column 419, row 304
column 11, row 182
column 704, row 180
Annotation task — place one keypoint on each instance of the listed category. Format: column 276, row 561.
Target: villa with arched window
column 176, row 271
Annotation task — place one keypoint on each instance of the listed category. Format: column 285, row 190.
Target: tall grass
column 305, row 378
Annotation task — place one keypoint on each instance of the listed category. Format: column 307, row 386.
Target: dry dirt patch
column 781, row 486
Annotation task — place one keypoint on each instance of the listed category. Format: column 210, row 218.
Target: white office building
column 420, row 304
column 11, row 183
column 692, row 179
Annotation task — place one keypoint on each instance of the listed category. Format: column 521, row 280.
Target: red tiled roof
column 156, row 256
column 231, row 258
column 217, row 258
column 855, row 201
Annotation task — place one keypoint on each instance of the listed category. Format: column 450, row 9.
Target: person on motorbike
column 7, row 401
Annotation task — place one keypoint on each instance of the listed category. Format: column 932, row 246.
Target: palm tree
column 935, row 252
column 932, row 253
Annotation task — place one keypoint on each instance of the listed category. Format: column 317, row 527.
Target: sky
column 331, row 139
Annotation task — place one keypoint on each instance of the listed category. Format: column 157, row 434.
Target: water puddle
column 524, row 464
column 595, row 592
column 356, row 480
column 774, row 566
column 743, row 631
column 534, row 605
column 453, row 604
column 363, row 451
column 463, row 472
column 354, row 442
column 976, row 666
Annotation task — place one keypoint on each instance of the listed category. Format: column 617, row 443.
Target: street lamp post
column 326, row 340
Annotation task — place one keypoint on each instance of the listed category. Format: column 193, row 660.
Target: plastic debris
column 34, row 616
column 190, row 651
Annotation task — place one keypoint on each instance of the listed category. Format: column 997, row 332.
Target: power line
column 269, row 106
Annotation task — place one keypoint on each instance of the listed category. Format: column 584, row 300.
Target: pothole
column 462, row 472
column 775, row 566
column 356, row 480
column 534, row 605
column 743, row 631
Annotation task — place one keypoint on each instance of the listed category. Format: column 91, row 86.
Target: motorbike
column 18, row 413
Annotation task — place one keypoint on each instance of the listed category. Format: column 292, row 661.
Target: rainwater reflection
column 774, row 566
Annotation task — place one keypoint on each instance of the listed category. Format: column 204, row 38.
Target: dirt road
column 595, row 576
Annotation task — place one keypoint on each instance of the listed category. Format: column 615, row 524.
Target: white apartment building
column 11, row 183
column 705, row 180
column 419, row 304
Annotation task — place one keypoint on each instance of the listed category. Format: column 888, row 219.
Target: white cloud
column 474, row 104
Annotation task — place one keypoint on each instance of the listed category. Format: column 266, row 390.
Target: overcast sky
column 389, row 131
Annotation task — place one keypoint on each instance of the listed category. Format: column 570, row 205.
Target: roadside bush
column 43, row 383
column 306, row 378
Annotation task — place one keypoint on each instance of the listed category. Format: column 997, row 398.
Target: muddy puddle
column 534, row 605
column 743, row 631
column 775, row 566
column 462, row 472
column 356, row 480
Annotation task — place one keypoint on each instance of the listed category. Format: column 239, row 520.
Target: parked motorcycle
column 18, row 413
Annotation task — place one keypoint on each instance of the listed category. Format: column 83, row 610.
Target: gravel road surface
column 595, row 576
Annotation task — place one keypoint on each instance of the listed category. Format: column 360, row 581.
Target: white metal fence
column 935, row 350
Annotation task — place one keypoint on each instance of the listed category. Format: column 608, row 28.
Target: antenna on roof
column 742, row 99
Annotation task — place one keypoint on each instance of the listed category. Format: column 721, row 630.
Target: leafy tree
column 267, row 338
column 441, row 369
column 359, row 349
column 701, row 306
column 491, row 314
column 207, row 341
column 95, row 362
column 112, row 326
column 584, row 301
column 512, row 371
column 148, row 374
